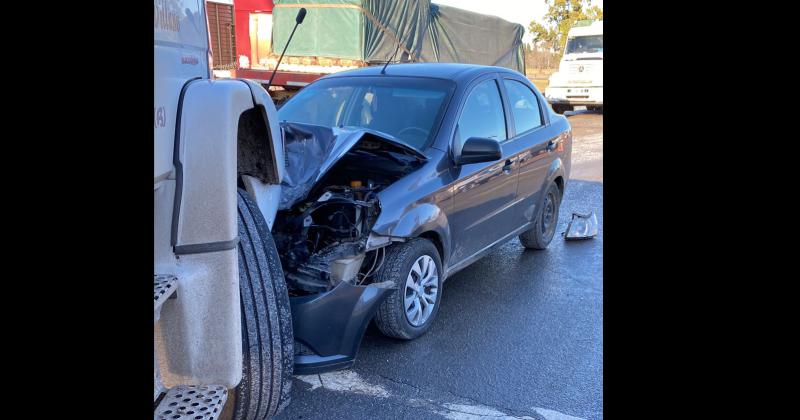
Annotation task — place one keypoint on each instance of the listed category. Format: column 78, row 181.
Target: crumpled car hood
column 312, row 150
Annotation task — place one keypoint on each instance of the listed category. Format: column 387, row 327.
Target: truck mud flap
column 328, row 327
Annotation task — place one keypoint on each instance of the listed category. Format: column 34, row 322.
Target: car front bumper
column 328, row 327
column 575, row 95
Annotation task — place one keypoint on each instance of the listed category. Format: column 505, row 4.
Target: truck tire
column 267, row 338
column 544, row 226
column 391, row 318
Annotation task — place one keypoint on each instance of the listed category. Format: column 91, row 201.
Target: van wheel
column 267, row 338
column 560, row 108
column 544, row 226
column 416, row 268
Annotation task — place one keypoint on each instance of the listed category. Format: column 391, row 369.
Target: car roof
column 457, row 72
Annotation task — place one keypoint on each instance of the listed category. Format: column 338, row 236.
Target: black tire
column 267, row 338
column 391, row 318
column 595, row 108
column 539, row 237
column 561, row 108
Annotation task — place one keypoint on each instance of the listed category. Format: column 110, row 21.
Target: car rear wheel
column 416, row 268
column 544, row 226
column 267, row 339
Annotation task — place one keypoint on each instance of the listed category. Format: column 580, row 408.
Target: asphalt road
column 519, row 334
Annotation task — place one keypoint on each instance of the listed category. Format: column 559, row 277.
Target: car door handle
column 552, row 144
column 507, row 166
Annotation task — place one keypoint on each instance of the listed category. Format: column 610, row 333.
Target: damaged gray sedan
column 396, row 180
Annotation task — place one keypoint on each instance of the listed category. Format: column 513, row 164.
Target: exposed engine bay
column 329, row 203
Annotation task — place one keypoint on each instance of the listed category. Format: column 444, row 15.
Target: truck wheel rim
column 422, row 286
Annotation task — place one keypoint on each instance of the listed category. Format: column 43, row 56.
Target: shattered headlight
column 582, row 226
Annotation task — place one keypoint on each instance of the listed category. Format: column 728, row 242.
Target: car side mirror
column 479, row 149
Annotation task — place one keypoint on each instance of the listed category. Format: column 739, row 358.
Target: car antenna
column 301, row 14
column 383, row 70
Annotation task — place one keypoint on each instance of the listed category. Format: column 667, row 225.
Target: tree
column 560, row 17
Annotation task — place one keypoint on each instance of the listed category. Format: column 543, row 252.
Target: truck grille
column 574, row 68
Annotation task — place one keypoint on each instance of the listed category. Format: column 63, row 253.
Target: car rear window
column 524, row 106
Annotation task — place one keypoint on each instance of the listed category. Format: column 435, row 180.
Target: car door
column 534, row 147
column 482, row 192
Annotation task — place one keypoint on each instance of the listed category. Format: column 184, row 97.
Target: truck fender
column 201, row 329
column 262, row 99
column 206, row 165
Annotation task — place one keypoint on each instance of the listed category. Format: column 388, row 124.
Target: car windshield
column 407, row 108
column 585, row 44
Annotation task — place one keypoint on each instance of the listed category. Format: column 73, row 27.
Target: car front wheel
column 416, row 268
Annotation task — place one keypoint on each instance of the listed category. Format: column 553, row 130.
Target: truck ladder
column 190, row 402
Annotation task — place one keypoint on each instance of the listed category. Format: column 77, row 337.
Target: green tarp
column 370, row 30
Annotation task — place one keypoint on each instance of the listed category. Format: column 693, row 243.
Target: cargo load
column 367, row 32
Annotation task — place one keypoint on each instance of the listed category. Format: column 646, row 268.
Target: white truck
column 222, row 321
column 228, row 330
column 579, row 79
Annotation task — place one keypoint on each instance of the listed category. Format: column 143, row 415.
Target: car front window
column 483, row 114
column 406, row 108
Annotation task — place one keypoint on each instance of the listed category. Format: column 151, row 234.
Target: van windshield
column 407, row 108
column 585, row 44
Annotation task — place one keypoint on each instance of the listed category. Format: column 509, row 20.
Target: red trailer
column 254, row 56
column 253, row 31
column 221, row 32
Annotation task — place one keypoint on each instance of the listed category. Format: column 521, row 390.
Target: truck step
column 164, row 286
column 190, row 402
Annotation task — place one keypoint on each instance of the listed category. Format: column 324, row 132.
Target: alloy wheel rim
column 422, row 287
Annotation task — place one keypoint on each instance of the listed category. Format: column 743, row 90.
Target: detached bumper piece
column 328, row 327
column 190, row 402
column 582, row 226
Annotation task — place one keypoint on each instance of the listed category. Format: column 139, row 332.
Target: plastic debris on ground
column 582, row 226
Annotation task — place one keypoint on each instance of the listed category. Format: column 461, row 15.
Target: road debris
column 582, row 226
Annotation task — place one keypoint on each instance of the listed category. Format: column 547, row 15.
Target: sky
column 518, row 11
